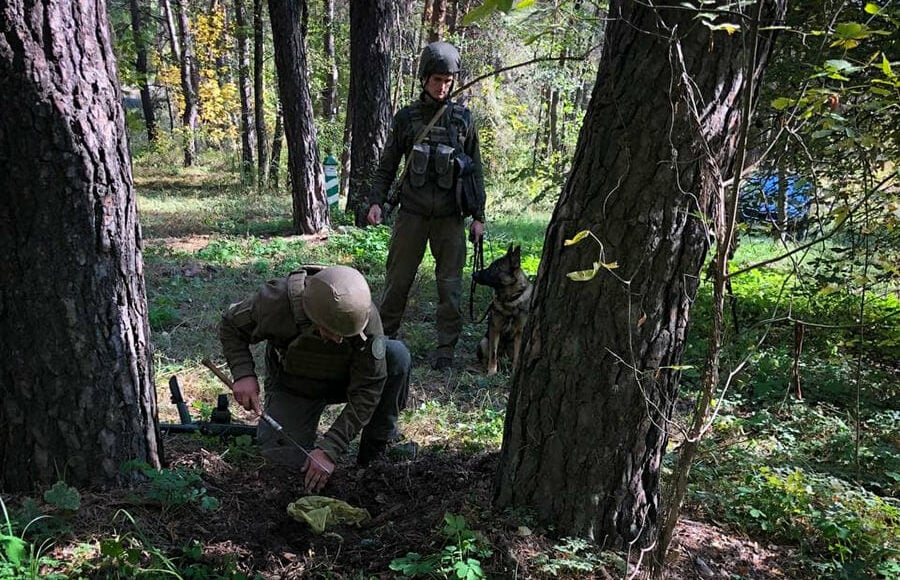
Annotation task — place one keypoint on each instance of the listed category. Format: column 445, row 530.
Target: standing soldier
column 325, row 345
column 440, row 143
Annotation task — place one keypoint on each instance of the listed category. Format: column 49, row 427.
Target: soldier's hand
column 374, row 216
column 246, row 393
column 476, row 231
column 319, row 468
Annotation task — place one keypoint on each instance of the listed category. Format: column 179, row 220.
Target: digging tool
column 264, row 416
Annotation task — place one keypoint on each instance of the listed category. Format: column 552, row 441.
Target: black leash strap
column 477, row 264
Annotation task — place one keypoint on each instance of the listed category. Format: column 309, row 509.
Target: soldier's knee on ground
column 397, row 357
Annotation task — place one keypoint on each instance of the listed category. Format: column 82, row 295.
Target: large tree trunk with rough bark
column 307, row 182
column 586, row 424
column 370, row 94
column 75, row 359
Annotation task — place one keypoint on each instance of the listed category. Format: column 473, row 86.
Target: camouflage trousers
column 446, row 238
column 300, row 415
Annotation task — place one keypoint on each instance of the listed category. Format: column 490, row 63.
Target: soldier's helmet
column 338, row 299
column 438, row 58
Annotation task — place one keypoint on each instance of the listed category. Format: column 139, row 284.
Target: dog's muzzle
column 482, row 277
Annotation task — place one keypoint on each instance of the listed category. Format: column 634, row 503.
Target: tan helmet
column 338, row 299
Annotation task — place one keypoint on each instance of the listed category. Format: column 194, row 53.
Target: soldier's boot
column 370, row 450
column 373, row 450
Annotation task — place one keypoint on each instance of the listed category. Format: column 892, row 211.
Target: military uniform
column 306, row 372
column 428, row 210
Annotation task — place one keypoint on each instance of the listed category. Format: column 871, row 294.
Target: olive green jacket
column 421, row 192
column 307, row 364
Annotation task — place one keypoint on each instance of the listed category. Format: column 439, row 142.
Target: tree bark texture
column 277, row 141
column 142, row 67
column 307, row 182
column 586, row 425
column 553, row 141
column 259, row 100
column 370, row 94
column 169, row 17
column 166, row 15
column 75, row 359
column 345, row 153
column 189, row 84
column 438, row 20
column 244, row 88
column 329, row 92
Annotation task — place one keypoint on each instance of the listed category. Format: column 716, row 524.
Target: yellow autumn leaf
column 727, row 27
column 578, row 237
column 582, row 275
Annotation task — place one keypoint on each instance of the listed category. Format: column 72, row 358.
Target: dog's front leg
column 493, row 346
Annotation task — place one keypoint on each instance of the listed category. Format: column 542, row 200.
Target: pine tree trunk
column 188, row 85
column 166, row 16
column 438, row 19
column 345, row 153
column 75, row 357
column 277, row 140
column 244, row 90
column 329, row 92
column 143, row 69
column 310, row 209
column 553, row 129
column 259, row 101
column 171, row 29
column 586, row 423
column 370, row 94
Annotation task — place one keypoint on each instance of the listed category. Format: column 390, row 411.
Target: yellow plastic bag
column 322, row 512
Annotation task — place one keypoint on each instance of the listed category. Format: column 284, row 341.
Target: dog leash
column 477, row 264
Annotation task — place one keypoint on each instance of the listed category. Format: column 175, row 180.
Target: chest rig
column 432, row 159
column 308, row 355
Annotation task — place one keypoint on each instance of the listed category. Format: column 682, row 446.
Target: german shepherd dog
column 508, row 312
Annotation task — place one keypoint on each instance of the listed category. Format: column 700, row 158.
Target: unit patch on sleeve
column 378, row 347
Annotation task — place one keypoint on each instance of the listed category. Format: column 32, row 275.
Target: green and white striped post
column 332, row 183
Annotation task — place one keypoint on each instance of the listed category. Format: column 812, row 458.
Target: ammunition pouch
column 469, row 198
column 418, row 164
column 443, row 165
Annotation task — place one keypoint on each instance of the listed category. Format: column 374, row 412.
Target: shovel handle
column 222, row 376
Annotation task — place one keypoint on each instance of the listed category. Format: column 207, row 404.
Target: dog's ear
column 515, row 255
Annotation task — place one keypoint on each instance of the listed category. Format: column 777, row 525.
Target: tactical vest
column 432, row 160
column 308, row 356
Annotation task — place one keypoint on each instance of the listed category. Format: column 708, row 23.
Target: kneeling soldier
column 325, row 345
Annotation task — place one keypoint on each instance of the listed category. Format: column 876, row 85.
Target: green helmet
column 338, row 299
column 438, row 58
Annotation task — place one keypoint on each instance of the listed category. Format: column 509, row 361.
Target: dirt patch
column 189, row 244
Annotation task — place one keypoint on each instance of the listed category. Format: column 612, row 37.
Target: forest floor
column 253, row 533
